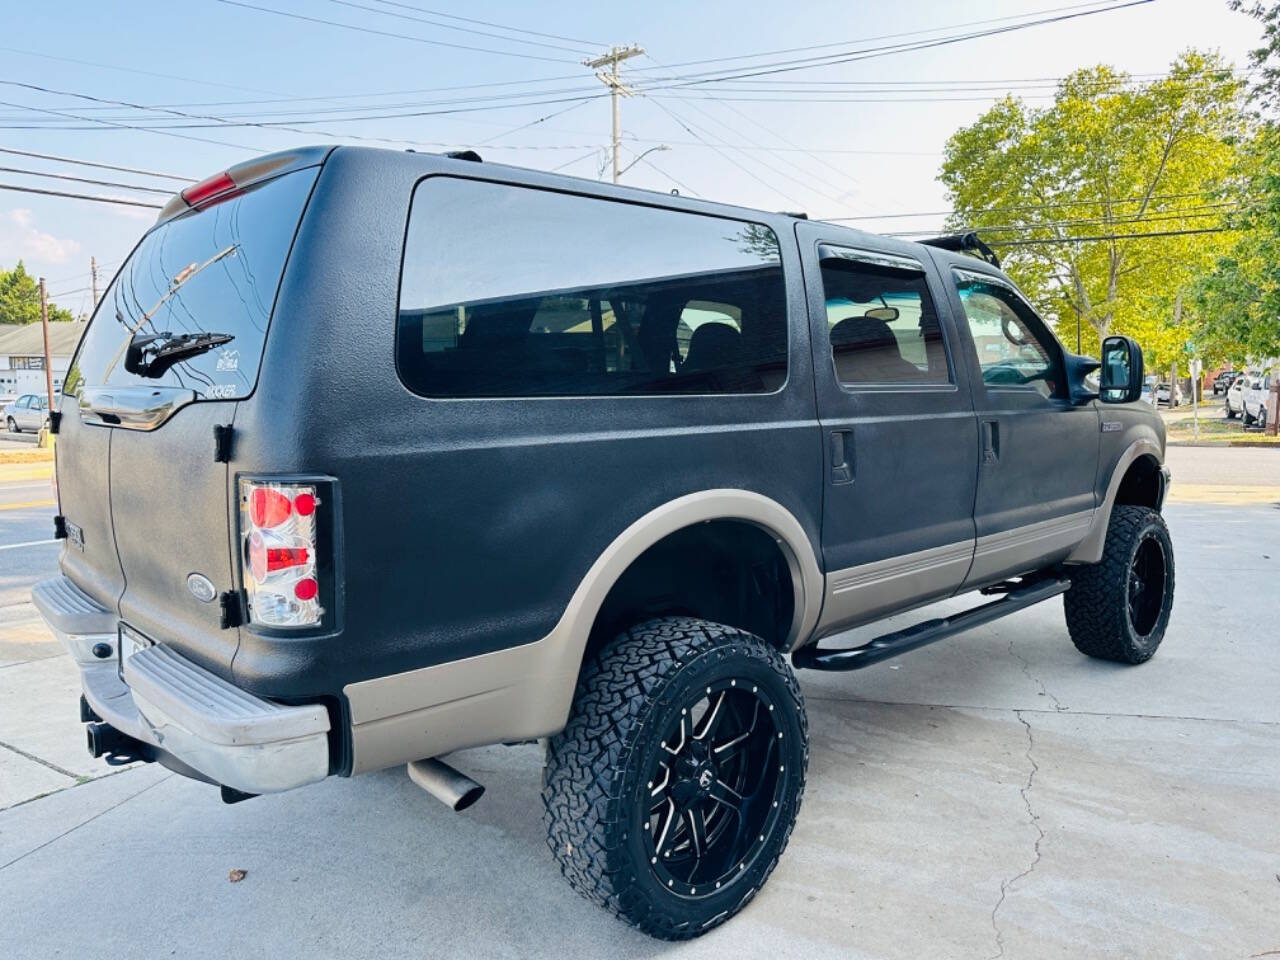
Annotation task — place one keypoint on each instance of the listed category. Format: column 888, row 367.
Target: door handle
column 990, row 441
column 841, row 455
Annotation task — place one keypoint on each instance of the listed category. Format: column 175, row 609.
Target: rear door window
column 212, row 271
column 514, row 291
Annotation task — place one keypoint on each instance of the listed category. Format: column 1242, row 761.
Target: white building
column 22, row 355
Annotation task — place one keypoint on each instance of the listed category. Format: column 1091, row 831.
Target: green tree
column 1240, row 296
column 1051, row 188
column 20, row 298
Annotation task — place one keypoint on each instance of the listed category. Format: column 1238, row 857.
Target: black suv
column 367, row 457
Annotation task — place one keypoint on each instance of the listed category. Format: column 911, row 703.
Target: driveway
column 993, row 795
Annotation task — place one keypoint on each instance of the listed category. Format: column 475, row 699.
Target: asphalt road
column 27, row 550
column 993, row 795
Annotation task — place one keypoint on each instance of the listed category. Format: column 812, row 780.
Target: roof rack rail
column 464, row 155
column 963, row 243
column 794, row 213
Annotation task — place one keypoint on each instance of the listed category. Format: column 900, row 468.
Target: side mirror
column 1121, row 378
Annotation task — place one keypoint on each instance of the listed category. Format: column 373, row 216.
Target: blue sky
column 846, row 158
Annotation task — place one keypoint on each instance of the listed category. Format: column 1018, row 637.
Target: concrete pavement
column 992, row 795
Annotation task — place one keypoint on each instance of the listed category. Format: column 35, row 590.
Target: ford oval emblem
column 201, row 587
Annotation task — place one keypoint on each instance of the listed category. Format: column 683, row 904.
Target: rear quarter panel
column 468, row 524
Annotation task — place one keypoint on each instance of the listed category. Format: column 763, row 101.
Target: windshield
column 211, row 272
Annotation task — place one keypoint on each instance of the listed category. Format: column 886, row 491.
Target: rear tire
column 1118, row 609
column 654, row 834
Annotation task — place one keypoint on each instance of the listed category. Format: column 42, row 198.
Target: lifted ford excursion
column 368, row 457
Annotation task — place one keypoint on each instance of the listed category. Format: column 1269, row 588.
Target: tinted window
column 1014, row 347
column 882, row 323
column 211, row 271
column 511, row 291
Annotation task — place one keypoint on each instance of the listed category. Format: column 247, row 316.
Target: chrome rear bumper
column 212, row 726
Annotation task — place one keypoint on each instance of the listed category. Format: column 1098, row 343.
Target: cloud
column 20, row 239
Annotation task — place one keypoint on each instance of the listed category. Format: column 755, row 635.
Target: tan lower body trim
column 526, row 691
column 859, row 594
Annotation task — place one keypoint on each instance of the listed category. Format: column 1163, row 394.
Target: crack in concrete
column 40, row 760
column 85, row 822
column 1033, row 710
column 1007, row 885
column 1026, row 670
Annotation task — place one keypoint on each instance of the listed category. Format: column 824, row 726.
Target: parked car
column 1169, row 395
column 597, row 490
column 1223, row 380
column 1235, row 396
column 1254, row 400
column 1148, row 394
column 29, row 412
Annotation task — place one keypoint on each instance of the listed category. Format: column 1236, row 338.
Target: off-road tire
column 1097, row 605
column 594, row 783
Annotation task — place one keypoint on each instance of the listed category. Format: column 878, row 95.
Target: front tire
column 673, row 789
column 1118, row 609
column 12, row 425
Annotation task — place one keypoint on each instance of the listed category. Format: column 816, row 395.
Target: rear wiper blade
column 151, row 354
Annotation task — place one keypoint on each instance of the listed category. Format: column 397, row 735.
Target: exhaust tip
column 451, row 787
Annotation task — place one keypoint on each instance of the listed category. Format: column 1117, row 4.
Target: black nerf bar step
column 930, row 631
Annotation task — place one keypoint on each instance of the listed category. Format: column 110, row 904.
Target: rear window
column 514, row 291
column 215, row 271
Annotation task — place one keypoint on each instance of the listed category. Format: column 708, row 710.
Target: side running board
column 1018, row 597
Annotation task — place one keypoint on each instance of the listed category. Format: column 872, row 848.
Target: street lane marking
column 26, row 505
column 29, row 543
column 1222, row 493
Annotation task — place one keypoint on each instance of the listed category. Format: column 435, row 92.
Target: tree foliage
column 1240, row 295
column 20, row 298
column 1058, row 189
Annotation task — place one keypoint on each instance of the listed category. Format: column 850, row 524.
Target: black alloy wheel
column 673, row 789
column 713, row 788
column 1147, row 575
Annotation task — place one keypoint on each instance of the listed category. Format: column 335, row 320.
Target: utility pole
column 93, row 281
column 48, row 365
column 611, row 80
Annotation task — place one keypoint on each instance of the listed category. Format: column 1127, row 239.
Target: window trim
column 962, row 275
column 788, row 277
column 827, row 251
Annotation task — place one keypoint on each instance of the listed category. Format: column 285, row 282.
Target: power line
column 97, row 183
column 134, row 70
column 394, row 36
column 446, row 26
column 807, row 63
column 487, row 23
column 1115, row 236
column 217, row 121
column 126, row 126
column 79, row 196
column 92, row 163
column 977, row 211
column 886, row 36
column 1213, row 210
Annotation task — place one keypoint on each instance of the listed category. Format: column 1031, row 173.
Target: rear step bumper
column 164, row 700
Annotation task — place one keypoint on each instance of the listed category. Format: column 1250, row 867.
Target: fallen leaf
column 235, row 876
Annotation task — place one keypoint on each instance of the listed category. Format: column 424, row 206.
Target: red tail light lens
column 270, row 508
column 214, row 186
column 279, row 537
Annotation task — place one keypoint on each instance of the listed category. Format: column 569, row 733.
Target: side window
column 1014, row 347
column 513, row 291
column 24, row 403
column 882, row 324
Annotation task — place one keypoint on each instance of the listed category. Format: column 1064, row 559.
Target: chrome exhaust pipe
column 451, row 787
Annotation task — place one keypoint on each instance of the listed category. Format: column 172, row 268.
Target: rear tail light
column 281, row 541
